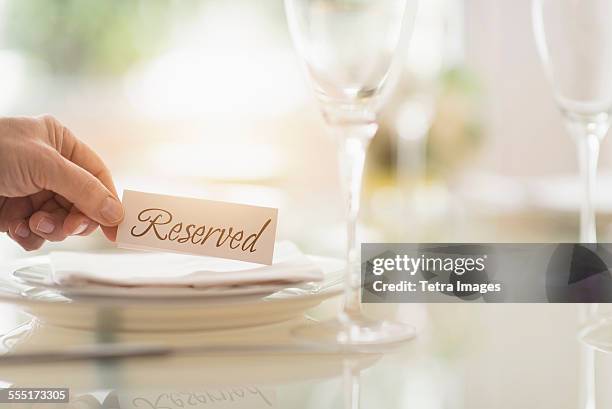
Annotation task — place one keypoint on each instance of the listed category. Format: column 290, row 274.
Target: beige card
column 195, row 226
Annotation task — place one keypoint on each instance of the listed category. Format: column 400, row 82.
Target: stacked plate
column 196, row 294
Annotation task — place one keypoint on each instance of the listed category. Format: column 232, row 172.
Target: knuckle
column 22, row 127
column 50, row 120
column 56, row 131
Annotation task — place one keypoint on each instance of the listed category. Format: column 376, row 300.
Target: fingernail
column 22, row 231
column 111, row 210
column 82, row 227
column 45, row 226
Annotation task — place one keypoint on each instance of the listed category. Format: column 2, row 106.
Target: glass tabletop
column 472, row 356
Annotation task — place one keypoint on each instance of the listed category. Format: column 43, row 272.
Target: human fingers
column 20, row 232
column 14, row 208
column 83, row 189
column 77, row 224
column 110, row 232
column 80, row 154
column 48, row 224
column 14, row 215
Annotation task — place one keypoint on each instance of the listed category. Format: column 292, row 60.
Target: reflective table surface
column 465, row 356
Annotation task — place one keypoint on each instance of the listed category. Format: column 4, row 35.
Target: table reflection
column 466, row 356
column 238, row 379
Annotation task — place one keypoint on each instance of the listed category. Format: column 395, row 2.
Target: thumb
column 84, row 190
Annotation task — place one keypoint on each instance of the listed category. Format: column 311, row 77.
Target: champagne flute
column 350, row 49
column 574, row 40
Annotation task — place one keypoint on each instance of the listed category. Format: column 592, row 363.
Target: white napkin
column 176, row 270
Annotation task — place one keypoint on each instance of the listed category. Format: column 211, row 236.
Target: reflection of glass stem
column 587, row 360
column 351, row 385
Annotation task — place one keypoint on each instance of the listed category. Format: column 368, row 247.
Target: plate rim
column 18, row 296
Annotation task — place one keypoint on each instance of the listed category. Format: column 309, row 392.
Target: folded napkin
column 176, row 270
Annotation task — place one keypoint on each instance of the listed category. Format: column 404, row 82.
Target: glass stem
column 587, row 144
column 588, row 155
column 353, row 145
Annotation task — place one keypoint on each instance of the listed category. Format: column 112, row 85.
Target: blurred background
column 206, row 98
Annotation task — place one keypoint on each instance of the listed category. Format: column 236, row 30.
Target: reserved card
column 196, row 226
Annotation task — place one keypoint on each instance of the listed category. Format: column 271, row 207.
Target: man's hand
column 52, row 185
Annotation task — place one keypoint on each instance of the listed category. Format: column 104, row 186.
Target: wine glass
column 350, row 49
column 574, row 40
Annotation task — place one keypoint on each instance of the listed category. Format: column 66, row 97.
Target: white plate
column 39, row 275
column 173, row 314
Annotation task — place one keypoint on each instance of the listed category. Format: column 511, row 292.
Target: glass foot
column 355, row 332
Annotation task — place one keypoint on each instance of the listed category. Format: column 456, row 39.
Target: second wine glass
column 574, row 39
column 350, row 49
